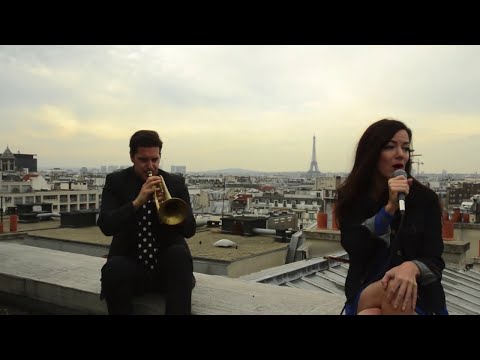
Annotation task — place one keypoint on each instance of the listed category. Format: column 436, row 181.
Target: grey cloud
column 426, row 79
column 252, row 77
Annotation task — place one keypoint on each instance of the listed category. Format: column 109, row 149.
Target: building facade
column 17, row 162
column 14, row 193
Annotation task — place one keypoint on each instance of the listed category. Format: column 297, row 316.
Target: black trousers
column 123, row 279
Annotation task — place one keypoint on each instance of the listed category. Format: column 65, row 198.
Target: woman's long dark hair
column 364, row 168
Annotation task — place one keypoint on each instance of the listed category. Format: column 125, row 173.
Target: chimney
column 445, row 216
column 454, row 251
column 456, row 215
column 321, row 220
column 334, row 217
column 447, row 228
column 455, row 254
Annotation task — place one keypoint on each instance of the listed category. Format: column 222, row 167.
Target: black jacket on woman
column 117, row 214
column 420, row 238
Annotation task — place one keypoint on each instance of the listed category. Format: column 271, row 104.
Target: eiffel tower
column 313, row 164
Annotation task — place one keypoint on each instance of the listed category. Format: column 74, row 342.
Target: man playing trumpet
column 148, row 252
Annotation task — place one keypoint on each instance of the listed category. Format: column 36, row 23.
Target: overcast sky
column 253, row 107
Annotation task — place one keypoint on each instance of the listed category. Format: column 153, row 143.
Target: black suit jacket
column 419, row 239
column 117, row 214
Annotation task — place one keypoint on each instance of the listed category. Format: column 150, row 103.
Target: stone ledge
column 322, row 234
column 72, row 281
column 455, row 254
column 461, row 225
column 476, row 263
column 456, row 247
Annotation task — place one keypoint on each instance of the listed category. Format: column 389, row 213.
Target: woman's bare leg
column 388, row 309
column 370, row 302
column 371, row 311
column 373, row 301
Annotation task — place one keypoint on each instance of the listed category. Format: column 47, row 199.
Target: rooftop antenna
column 223, row 196
column 418, row 162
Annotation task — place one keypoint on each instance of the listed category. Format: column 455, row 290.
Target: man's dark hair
column 144, row 138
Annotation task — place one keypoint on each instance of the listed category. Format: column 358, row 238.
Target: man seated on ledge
column 148, row 252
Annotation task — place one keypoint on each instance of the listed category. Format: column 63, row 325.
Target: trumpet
column 170, row 211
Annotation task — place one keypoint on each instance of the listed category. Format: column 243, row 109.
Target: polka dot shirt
column 146, row 249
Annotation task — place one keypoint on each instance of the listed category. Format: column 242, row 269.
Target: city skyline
column 251, row 107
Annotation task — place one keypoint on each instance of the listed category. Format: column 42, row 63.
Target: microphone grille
column 399, row 172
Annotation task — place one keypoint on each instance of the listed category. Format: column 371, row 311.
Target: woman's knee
column 371, row 297
column 370, row 311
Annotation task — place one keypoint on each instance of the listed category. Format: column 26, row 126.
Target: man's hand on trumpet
column 159, row 190
column 146, row 192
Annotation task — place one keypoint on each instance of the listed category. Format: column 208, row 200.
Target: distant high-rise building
column 179, row 169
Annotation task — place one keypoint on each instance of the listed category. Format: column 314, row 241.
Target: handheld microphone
column 401, row 195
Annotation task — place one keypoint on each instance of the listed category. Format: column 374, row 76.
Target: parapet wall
column 71, row 282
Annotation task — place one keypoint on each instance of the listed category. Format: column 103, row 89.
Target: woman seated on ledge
column 395, row 254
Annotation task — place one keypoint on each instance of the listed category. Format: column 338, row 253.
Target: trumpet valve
column 159, row 193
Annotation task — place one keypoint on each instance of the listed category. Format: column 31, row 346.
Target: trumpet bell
column 172, row 211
